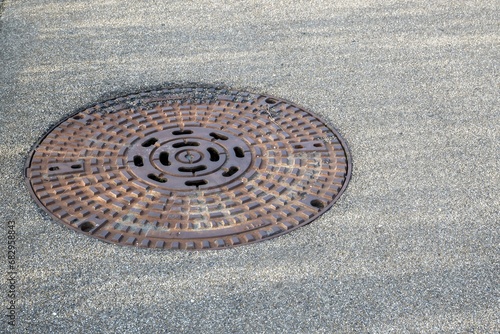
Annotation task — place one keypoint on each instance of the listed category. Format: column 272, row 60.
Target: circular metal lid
column 188, row 168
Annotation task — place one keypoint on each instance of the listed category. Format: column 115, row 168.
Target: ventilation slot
column 182, row 132
column 230, row 171
column 317, row 204
column 196, row 183
column 138, row 161
column 239, row 152
column 149, row 142
column 218, row 136
column 188, row 143
column 214, row 155
column 157, row 178
column 164, row 159
column 192, row 169
column 87, row 226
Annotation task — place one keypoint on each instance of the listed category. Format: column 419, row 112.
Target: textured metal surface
column 188, row 168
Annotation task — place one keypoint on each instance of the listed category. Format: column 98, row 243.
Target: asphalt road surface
column 412, row 246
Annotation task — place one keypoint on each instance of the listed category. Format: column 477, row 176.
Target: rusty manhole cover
column 188, row 168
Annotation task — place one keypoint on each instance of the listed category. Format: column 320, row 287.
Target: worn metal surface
column 188, row 168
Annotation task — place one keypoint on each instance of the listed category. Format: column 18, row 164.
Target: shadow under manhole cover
column 188, row 168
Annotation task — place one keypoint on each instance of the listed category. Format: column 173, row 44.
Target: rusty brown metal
column 188, row 168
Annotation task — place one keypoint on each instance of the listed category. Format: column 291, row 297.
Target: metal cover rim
column 197, row 243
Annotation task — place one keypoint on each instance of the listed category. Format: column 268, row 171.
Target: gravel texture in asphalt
column 411, row 246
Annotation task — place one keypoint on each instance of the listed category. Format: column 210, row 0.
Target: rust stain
column 189, row 168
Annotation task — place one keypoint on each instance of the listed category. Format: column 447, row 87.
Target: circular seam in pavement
column 188, row 168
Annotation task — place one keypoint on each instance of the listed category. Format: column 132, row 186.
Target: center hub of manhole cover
column 188, row 168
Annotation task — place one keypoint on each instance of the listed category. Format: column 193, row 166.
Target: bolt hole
column 78, row 117
column 157, row 178
column 218, row 136
column 230, row 171
column 87, row 226
column 196, row 183
column 318, row 145
column 138, row 161
column 214, row 155
column 149, row 142
column 76, row 166
column 182, row 132
column 317, row 204
column 192, row 169
column 270, row 100
column 239, row 152
column 298, row 146
column 164, row 159
column 188, row 143
column 53, row 168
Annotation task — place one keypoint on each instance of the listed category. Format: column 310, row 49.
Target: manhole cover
column 188, row 168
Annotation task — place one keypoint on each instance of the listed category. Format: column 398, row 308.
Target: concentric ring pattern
column 188, row 168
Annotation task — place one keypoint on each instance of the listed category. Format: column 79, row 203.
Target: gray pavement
column 411, row 247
